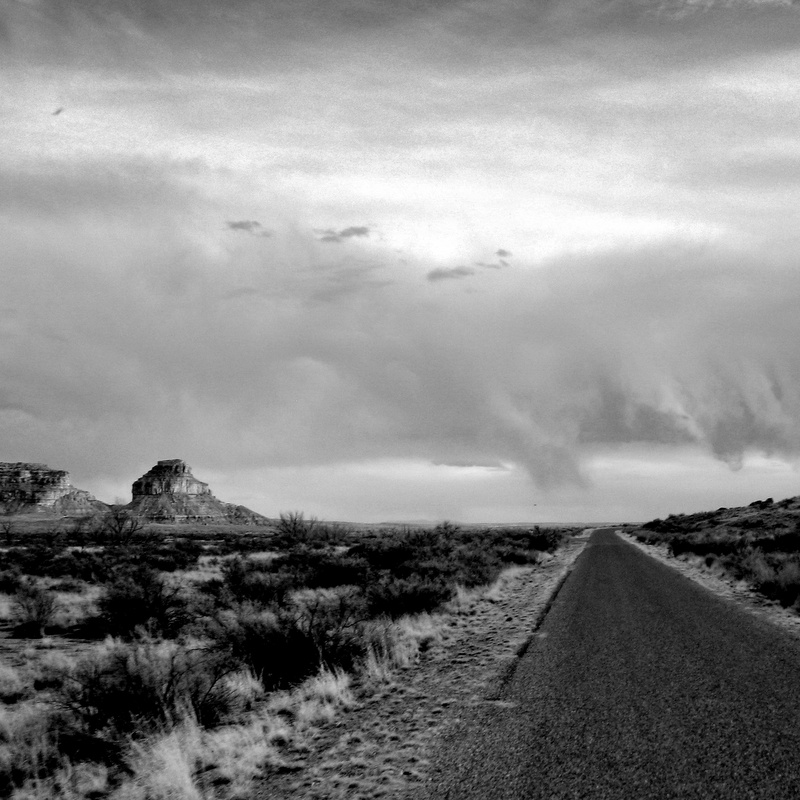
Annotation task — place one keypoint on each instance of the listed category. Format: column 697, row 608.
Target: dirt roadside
column 380, row 747
column 715, row 580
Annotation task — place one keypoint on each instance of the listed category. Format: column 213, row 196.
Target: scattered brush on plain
column 197, row 688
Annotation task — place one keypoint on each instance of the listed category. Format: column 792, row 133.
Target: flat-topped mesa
column 170, row 493
column 171, row 476
column 28, row 487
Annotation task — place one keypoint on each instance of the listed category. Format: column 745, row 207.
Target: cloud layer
column 286, row 259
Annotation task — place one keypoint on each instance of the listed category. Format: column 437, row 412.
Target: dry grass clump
column 190, row 763
column 322, row 697
column 497, row 590
column 13, row 686
column 6, row 606
column 164, row 767
column 316, row 700
column 241, row 754
column 29, row 745
column 397, row 644
column 80, row 781
column 76, row 604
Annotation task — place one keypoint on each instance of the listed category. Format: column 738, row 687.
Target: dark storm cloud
column 333, row 236
column 615, row 416
column 663, row 345
column 249, row 226
column 449, row 273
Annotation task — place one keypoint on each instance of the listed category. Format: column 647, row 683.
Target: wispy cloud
column 330, row 235
column 449, row 273
column 250, row 226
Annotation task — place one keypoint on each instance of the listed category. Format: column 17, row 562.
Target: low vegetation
column 759, row 544
column 214, row 655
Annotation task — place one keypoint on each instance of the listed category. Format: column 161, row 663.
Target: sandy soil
column 715, row 580
column 380, row 748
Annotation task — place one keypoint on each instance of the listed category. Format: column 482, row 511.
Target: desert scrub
column 143, row 599
column 759, row 544
column 148, row 684
column 9, row 580
column 13, row 685
column 34, row 608
column 34, row 744
column 248, row 580
column 396, row 597
column 393, row 644
column 284, row 645
column 190, row 763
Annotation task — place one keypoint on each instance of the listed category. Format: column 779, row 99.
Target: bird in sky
column 58, row 111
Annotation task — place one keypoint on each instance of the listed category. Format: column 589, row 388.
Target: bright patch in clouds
column 277, row 241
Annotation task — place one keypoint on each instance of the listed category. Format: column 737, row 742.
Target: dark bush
column 141, row 598
column 246, row 581
column 144, row 685
column 284, row 646
column 34, row 608
column 393, row 597
column 10, row 580
column 267, row 642
column 788, row 542
column 306, row 567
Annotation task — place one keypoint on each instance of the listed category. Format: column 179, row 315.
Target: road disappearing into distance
column 638, row 684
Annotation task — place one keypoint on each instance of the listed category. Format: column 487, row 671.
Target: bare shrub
column 34, row 608
column 284, row 646
column 143, row 599
column 147, row 684
column 120, row 526
column 248, row 582
column 294, row 526
column 396, row 597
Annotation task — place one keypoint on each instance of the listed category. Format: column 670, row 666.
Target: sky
column 476, row 260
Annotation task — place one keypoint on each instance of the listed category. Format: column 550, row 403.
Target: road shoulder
column 716, row 581
column 382, row 746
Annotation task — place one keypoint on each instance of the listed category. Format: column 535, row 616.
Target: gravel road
column 639, row 684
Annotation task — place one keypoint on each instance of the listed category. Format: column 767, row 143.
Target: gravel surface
column 639, row 684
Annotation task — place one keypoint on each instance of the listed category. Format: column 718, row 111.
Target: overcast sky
column 483, row 260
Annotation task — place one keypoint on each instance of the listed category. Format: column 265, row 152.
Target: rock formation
column 170, row 493
column 172, row 476
column 36, row 487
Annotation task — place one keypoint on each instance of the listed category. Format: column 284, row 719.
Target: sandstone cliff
column 35, row 487
column 170, row 493
column 172, row 476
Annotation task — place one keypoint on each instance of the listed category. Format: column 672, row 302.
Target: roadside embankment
column 718, row 581
column 380, row 746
